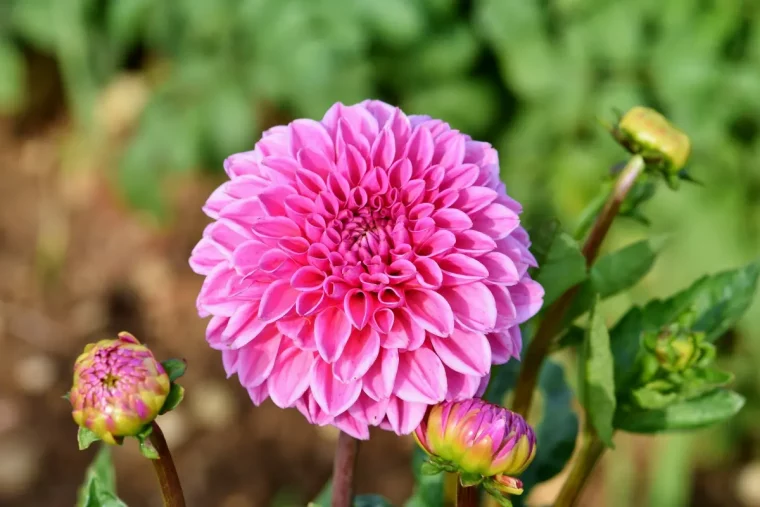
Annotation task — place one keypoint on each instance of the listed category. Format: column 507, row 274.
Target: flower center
column 109, row 379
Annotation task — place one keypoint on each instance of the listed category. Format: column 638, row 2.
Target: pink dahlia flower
column 363, row 267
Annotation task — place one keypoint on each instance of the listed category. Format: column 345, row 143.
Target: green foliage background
column 530, row 76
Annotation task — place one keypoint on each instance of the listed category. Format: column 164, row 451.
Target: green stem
column 171, row 489
column 591, row 450
column 343, row 471
column 467, row 496
column 552, row 322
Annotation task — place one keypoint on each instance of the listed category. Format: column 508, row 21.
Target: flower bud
column 479, row 440
column 645, row 131
column 119, row 387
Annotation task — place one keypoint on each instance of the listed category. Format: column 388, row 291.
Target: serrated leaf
column 175, row 397
column 85, row 438
column 563, row 268
column 597, row 377
column 175, row 368
column 557, row 431
column 99, row 486
column 614, row 273
column 701, row 412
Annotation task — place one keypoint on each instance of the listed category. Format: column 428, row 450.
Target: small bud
column 479, row 440
column 119, row 387
column 646, row 132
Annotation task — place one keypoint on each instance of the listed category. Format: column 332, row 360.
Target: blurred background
column 115, row 116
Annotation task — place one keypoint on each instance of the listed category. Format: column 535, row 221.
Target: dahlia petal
column 309, row 184
column 461, row 176
column 332, row 329
column 379, row 380
column 440, row 242
column 290, row 376
column 458, row 269
column 473, row 199
column 247, row 333
column 230, row 362
column 404, row 416
column 332, row 395
column 256, row 360
column 279, row 169
column 506, row 313
column 258, row 394
column 431, row 311
column 483, row 386
column 505, row 345
column 307, row 279
column 352, row 426
column 205, row 256
column 500, row 268
column 243, row 211
column 461, row 386
column 465, row 352
column 473, row 306
column 358, row 307
column 400, row 173
column 429, row 273
column 273, row 199
column 527, row 296
column 420, row 149
column 310, row 134
column 309, row 303
column 214, row 331
column 495, row 220
column 474, row 243
column 383, row 149
column 275, row 227
column 420, row 377
column 368, row 410
column 352, row 165
column 452, row 219
column 241, row 164
column 450, row 151
column 277, row 301
column 218, row 199
column 227, row 234
column 316, row 162
column 382, row 320
column 358, row 356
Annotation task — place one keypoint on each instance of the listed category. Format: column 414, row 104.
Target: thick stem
column 553, row 320
column 589, row 455
column 343, row 471
column 467, row 496
column 171, row 489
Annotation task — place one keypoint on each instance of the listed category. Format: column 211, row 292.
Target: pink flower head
column 479, row 439
column 363, row 267
column 118, row 388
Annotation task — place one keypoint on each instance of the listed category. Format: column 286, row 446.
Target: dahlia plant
column 370, row 270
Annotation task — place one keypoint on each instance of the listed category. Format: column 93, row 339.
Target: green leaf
column 542, row 237
column 176, row 394
column 12, row 83
column 696, row 413
column 614, row 273
column 557, row 432
column 175, row 368
column 563, row 268
column 620, row 270
column 597, row 381
column 430, row 468
column 99, row 487
column 85, row 438
column 428, row 489
column 125, row 20
column 371, row 501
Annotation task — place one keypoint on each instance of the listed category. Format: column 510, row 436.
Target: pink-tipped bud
column 479, row 439
column 119, row 387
